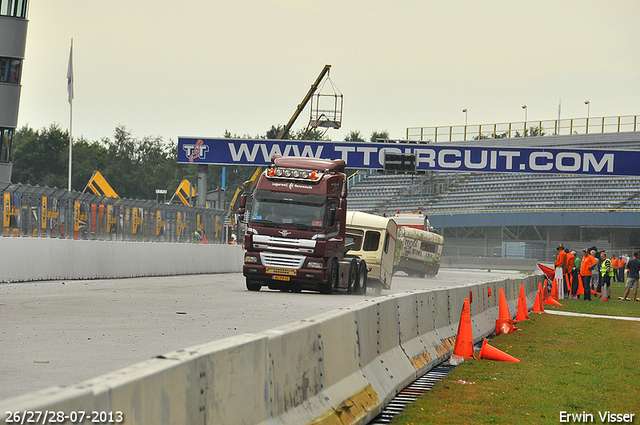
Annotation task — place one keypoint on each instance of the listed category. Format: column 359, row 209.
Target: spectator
column 606, row 270
column 615, row 265
column 633, row 274
column 587, row 265
column 571, row 278
column 560, row 265
column 622, row 265
column 595, row 272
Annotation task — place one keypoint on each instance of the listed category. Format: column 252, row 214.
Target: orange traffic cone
column 554, row 290
column 580, row 290
column 551, row 301
column 504, row 324
column 522, row 294
column 537, row 305
column 489, row 290
column 605, row 293
column 491, row 353
column 464, row 339
column 523, row 313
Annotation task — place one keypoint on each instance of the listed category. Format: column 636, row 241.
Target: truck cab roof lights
column 294, row 174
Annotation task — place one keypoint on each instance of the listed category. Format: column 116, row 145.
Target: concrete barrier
column 28, row 259
column 340, row 367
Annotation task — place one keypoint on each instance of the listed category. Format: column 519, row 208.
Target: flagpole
column 70, row 141
column 70, row 93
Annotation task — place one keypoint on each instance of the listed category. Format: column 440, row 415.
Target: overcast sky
column 198, row 68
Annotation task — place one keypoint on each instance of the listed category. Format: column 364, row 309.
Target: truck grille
column 272, row 243
column 270, row 259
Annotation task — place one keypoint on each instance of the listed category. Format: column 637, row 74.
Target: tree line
column 134, row 167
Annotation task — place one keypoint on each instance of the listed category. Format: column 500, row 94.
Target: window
column 10, row 70
column 276, row 212
column 371, row 241
column 6, row 144
column 15, row 8
column 428, row 247
column 331, row 211
column 386, row 243
column 355, row 236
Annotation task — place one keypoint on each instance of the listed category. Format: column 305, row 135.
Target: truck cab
column 295, row 236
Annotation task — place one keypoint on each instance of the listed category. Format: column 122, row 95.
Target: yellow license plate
column 276, row 277
column 279, row 270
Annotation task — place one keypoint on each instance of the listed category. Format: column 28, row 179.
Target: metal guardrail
column 57, row 213
column 459, row 133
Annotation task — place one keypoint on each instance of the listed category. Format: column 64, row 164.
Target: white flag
column 70, row 73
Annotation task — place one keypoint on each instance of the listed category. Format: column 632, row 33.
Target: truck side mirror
column 241, row 207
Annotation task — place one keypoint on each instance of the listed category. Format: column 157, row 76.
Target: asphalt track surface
column 64, row 332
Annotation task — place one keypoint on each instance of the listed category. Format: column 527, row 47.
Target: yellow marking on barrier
column 447, row 344
column 351, row 410
column 421, row 360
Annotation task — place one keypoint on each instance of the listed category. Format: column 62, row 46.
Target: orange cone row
column 463, row 347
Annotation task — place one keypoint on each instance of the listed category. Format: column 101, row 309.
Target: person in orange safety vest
column 561, row 264
column 586, row 269
column 570, row 265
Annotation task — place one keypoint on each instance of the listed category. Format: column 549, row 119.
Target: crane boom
column 285, row 131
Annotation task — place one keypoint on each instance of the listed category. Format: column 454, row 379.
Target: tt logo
column 197, row 151
column 285, row 233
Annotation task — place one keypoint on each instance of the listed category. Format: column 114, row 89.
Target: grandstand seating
column 473, row 192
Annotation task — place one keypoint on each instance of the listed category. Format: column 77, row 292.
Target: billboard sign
column 429, row 157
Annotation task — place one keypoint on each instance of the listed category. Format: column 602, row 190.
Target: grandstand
column 480, row 212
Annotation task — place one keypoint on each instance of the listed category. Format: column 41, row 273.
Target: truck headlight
column 250, row 259
column 315, row 265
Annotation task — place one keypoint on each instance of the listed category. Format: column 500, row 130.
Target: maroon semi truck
column 295, row 236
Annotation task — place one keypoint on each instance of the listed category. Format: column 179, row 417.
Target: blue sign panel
column 429, row 157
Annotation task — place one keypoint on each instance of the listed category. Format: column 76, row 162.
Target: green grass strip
column 578, row 365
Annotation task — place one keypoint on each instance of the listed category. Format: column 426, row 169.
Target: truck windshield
column 282, row 212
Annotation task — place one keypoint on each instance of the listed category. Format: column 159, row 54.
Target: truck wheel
column 362, row 278
column 253, row 285
column 352, row 285
column 328, row 286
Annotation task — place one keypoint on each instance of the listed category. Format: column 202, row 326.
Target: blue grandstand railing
column 355, row 178
column 588, row 125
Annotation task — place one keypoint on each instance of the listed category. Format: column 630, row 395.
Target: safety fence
column 58, row 213
column 458, row 133
column 341, row 367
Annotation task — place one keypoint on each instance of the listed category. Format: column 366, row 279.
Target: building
column 13, row 37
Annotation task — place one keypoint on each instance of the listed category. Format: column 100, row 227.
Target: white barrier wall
column 340, row 367
column 27, row 259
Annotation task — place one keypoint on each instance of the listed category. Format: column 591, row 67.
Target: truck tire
column 354, row 270
column 253, row 285
column 328, row 286
column 362, row 278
